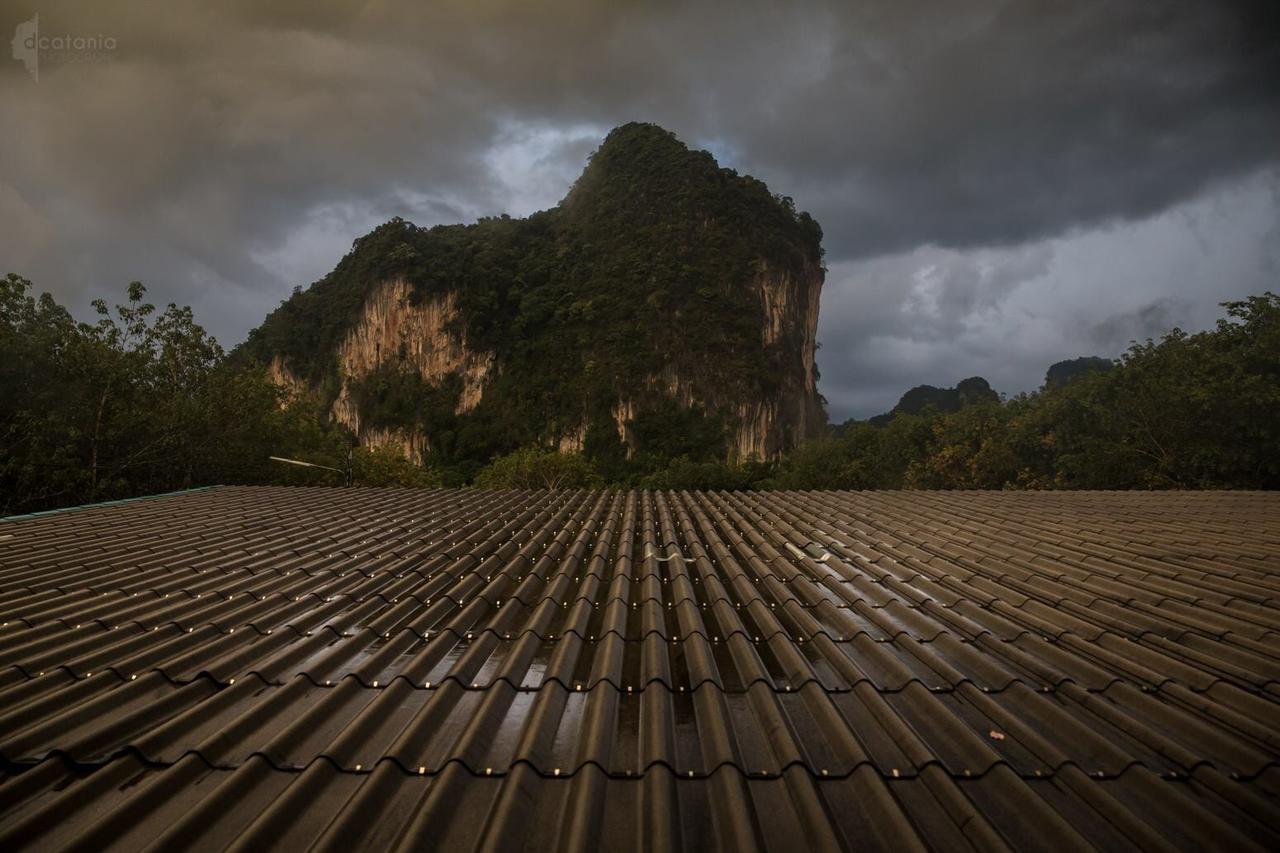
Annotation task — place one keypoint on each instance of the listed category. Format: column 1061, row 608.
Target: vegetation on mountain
column 539, row 468
column 1062, row 372
column 967, row 392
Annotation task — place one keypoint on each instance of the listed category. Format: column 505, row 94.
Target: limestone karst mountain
column 666, row 306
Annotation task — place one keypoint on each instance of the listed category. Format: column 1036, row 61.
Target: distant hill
column 967, row 392
column 666, row 307
column 1062, row 372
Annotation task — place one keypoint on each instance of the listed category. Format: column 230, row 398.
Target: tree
column 968, row 449
column 536, row 468
column 1189, row 411
column 135, row 403
column 385, row 466
column 38, row 394
column 684, row 473
column 1062, row 372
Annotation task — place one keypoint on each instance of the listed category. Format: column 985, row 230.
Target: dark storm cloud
column 1027, row 119
column 225, row 152
column 935, row 315
column 1150, row 321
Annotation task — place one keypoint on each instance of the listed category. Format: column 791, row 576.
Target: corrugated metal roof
column 243, row 667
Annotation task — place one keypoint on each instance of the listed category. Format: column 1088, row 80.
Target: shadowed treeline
column 144, row 401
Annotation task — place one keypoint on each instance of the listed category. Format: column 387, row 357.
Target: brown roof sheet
column 339, row 668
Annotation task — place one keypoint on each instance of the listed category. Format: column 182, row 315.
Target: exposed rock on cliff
column 666, row 307
column 419, row 337
column 283, row 378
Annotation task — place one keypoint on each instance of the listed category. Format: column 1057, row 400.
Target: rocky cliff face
column 394, row 329
column 789, row 301
column 662, row 285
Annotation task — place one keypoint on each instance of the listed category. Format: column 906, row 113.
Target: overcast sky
column 1001, row 184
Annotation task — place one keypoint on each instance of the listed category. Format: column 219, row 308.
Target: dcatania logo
column 25, row 40
column 31, row 48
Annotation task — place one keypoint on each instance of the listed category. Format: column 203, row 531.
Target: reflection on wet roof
column 375, row 669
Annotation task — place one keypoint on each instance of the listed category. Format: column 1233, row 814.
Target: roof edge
column 25, row 516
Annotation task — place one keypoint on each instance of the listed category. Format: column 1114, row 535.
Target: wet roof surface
column 384, row 669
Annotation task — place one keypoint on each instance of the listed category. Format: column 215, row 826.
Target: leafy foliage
column 385, row 466
column 1062, row 372
column 1189, row 411
column 142, row 401
column 669, row 431
column 684, row 473
column 535, row 468
column 396, row 396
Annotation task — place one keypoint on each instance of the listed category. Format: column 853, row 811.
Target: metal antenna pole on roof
column 346, row 474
